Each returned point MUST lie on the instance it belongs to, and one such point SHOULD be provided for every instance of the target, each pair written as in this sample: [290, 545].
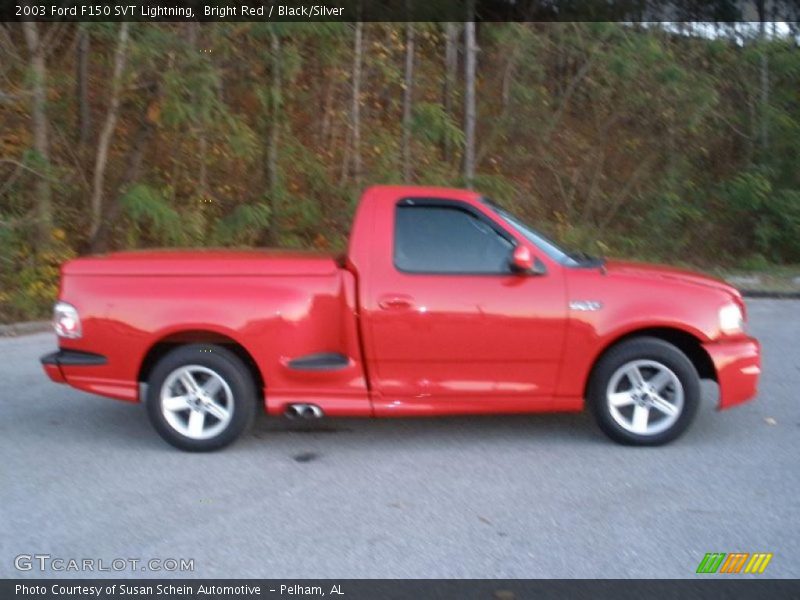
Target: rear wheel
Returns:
[644, 392]
[200, 397]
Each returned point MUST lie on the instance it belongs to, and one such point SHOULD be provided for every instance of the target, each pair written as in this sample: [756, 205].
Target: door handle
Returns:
[395, 302]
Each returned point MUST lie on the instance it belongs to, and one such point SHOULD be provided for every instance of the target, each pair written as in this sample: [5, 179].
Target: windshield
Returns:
[549, 247]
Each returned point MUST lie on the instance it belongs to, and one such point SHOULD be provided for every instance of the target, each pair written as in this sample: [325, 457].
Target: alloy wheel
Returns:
[645, 397]
[196, 402]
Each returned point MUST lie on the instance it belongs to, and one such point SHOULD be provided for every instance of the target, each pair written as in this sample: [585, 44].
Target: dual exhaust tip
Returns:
[304, 411]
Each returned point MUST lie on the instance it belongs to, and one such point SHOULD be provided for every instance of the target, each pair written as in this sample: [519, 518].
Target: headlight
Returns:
[66, 321]
[731, 319]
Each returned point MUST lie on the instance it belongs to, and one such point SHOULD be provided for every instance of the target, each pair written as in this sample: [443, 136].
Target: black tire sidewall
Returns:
[643, 348]
[228, 366]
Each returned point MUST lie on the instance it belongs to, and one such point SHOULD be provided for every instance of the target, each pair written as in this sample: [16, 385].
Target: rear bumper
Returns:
[53, 362]
[90, 372]
[738, 367]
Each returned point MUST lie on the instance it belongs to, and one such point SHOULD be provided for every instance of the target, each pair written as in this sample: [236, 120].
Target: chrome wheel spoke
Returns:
[188, 382]
[664, 406]
[176, 403]
[620, 399]
[196, 420]
[641, 416]
[634, 376]
[216, 411]
[660, 380]
[212, 386]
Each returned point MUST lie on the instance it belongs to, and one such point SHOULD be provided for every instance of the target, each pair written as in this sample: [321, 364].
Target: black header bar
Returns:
[400, 10]
[387, 589]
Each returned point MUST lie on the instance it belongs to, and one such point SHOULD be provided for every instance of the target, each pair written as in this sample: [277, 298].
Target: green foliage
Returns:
[761, 217]
[777, 232]
[746, 193]
[432, 124]
[499, 189]
[243, 226]
[29, 279]
[152, 216]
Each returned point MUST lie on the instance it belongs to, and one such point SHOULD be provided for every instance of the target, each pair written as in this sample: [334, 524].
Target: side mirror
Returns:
[523, 262]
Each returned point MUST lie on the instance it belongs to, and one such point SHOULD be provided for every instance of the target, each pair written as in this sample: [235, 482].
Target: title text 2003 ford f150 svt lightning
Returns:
[444, 304]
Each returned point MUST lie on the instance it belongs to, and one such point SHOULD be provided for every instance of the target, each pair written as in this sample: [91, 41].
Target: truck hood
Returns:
[645, 270]
[203, 262]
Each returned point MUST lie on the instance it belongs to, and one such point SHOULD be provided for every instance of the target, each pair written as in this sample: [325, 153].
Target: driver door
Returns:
[451, 327]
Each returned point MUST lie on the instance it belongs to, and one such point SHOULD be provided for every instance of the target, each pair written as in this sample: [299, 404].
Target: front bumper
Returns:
[738, 366]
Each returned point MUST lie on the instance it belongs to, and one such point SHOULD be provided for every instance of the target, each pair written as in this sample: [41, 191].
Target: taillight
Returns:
[66, 321]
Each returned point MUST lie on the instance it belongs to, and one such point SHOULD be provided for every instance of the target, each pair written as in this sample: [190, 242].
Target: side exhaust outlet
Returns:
[304, 411]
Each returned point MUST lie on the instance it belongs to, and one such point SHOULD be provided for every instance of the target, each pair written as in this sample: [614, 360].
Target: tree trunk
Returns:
[101, 160]
[202, 138]
[469, 103]
[408, 98]
[275, 114]
[269, 237]
[41, 142]
[764, 80]
[357, 62]
[450, 74]
[508, 75]
[82, 86]
[147, 127]
[323, 137]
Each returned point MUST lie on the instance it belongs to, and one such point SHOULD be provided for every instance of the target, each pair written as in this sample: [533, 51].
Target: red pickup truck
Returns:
[444, 304]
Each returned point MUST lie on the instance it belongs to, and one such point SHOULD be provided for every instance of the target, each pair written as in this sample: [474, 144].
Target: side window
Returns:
[438, 239]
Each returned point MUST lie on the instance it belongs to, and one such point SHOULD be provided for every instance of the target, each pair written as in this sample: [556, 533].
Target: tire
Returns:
[651, 408]
[209, 408]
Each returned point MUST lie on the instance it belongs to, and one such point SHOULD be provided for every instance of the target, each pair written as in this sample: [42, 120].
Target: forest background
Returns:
[670, 142]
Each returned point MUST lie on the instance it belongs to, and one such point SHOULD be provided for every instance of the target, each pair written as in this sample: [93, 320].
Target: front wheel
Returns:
[644, 392]
[200, 397]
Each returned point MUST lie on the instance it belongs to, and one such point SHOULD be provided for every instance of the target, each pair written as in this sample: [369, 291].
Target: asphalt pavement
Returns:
[84, 477]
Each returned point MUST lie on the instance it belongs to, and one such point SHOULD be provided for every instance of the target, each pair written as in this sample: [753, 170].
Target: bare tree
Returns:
[148, 124]
[469, 102]
[450, 74]
[82, 85]
[41, 141]
[275, 107]
[200, 125]
[764, 76]
[272, 130]
[357, 63]
[408, 98]
[354, 133]
[101, 159]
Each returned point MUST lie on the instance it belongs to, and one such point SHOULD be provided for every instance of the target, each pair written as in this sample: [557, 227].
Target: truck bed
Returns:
[284, 309]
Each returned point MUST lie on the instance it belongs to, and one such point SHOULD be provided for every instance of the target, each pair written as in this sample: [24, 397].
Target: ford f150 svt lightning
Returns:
[444, 304]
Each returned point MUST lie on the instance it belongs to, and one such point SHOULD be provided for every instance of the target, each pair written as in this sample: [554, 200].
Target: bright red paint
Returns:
[417, 344]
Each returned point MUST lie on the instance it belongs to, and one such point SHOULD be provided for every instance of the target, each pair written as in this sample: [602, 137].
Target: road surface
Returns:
[84, 477]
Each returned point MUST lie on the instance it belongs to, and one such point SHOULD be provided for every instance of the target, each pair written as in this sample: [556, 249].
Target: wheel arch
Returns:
[687, 343]
[175, 339]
